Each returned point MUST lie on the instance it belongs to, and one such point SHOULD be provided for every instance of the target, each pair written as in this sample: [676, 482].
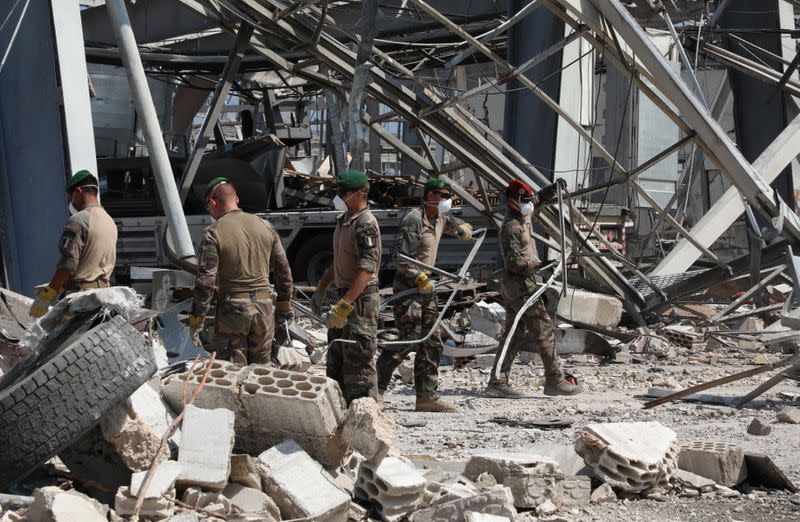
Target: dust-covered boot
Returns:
[562, 385]
[502, 390]
[433, 403]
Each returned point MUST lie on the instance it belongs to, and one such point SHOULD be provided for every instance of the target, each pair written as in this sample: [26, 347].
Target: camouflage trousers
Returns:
[350, 362]
[535, 331]
[248, 326]
[414, 318]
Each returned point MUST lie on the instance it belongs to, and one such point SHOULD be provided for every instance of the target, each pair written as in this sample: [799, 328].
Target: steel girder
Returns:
[452, 127]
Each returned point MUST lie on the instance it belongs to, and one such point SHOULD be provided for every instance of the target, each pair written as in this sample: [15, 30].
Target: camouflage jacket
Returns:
[237, 254]
[518, 246]
[419, 238]
[356, 247]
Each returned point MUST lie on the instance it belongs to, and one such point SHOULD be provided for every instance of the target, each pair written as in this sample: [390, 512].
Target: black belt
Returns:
[372, 287]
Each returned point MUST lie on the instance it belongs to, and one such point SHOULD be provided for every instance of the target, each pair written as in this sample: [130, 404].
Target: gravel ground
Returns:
[613, 394]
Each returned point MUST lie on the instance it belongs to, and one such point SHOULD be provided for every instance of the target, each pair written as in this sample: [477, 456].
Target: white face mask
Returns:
[339, 204]
[72, 209]
[526, 209]
[444, 206]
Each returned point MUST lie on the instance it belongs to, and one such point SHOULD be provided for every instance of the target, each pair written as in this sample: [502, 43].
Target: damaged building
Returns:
[656, 142]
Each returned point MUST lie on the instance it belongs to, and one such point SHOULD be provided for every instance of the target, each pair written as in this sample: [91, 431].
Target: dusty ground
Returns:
[610, 396]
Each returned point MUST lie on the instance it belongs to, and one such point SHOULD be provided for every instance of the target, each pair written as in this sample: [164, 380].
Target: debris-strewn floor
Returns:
[610, 396]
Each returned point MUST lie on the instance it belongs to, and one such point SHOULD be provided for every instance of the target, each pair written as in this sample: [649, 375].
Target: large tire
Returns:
[63, 398]
[313, 258]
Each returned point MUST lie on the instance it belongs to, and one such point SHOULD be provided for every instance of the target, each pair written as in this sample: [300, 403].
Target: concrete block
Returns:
[345, 476]
[691, 480]
[789, 415]
[245, 470]
[395, 487]
[291, 358]
[284, 405]
[406, 369]
[721, 462]
[756, 427]
[164, 480]
[202, 499]
[632, 456]
[499, 502]
[599, 310]
[135, 427]
[299, 485]
[93, 458]
[152, 509]
[252, 501]
[52, 504]
[220, 390]
[368, 429]
[503, 464]
[206, 446]
[572, 492]
[604, 493]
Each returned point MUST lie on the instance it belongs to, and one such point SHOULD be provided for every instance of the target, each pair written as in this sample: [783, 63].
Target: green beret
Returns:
[352, 180]
[438, 184]
[78, 178]
[213, 183]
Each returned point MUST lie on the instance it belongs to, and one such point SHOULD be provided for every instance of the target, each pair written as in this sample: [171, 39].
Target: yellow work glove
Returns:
[424, 284]
[283, 311]
[195, 325]
[464, 231]
[318, 297]
[338, 316]
[44, 297]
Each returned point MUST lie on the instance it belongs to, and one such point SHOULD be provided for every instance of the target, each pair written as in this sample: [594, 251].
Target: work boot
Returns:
[562, 386]
[501, 390]
[433, 403]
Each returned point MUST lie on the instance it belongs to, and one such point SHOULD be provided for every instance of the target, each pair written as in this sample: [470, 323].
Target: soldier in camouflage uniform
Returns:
[88, 245]
[354, 272]
[237, 254]
[414, 316]
[519, 278]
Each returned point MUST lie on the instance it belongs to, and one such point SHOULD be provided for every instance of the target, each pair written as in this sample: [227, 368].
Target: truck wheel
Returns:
[62, 398]
[313, 258]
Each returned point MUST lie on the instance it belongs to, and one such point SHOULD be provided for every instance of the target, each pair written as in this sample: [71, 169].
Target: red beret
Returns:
[520, 188]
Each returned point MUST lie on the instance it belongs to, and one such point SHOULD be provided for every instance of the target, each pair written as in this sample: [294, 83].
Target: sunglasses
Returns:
[442, 193]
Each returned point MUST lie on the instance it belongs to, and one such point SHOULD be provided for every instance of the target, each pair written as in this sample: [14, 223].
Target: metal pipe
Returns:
[165, 180]
[461, 273]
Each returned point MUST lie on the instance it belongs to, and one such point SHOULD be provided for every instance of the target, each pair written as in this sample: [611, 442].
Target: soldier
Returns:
[414, 316]
[88, 245]
[518, 283]
[236, 256]
[354, 272]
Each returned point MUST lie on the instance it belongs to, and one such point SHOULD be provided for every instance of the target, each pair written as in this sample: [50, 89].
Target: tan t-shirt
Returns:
[88, 246]
[356, 247]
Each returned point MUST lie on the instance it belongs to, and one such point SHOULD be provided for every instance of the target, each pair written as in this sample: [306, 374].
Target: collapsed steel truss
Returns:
[611, 30]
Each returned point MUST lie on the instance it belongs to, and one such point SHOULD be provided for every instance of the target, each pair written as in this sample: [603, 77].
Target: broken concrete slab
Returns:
[299, 485]
[604, 493]
[135, 427]
[292, 406]
[471, 516]
[488, 318]
[721, 462]
[202, 499]
[789, 415]
[163, 480]
[600, 310]
[395, 487]
[632, 456]
[246, 471]
[152, 509]
[692, 480]
[292, 358]
[252, 501]
[345, 476]
[499, 502]
[53, 504]
[532, 478]
[759, 428]
[206, 447]
[762, 471]
[368, 429]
